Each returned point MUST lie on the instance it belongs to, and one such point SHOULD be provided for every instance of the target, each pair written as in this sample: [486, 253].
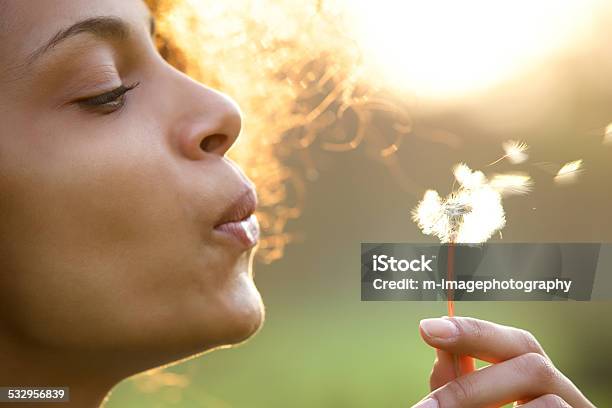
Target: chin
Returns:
[245, 312]
[226, 317]
[228, 313]
[232, 316]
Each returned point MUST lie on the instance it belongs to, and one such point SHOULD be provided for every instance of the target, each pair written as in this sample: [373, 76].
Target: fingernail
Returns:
[441, 328]
[428, 403]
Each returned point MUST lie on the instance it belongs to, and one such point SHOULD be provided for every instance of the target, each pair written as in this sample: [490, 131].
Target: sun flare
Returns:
[445, 48]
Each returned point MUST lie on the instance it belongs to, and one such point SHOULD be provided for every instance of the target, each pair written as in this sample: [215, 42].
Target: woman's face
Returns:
[112, 198]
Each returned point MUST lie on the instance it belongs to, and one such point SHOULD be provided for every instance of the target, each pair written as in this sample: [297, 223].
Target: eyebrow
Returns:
[105, 27]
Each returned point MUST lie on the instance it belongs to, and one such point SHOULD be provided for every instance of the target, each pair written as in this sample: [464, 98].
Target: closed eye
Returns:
[107, 102]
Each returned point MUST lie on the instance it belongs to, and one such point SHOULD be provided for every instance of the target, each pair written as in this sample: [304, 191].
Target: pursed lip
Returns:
[242, 207]
[238, 222]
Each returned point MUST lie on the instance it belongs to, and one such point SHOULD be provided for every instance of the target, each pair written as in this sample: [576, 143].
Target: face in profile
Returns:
[126, 233]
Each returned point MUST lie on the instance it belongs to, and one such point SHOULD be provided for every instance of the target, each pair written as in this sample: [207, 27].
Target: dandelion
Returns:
[568, 173]
[514, 152]
[471, 214]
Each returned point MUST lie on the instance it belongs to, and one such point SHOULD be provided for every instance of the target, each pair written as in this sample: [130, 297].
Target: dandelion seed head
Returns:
[515, 151]
[457, 205]
[471, 214]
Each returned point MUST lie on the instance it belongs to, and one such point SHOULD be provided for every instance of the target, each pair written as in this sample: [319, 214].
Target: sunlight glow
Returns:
[446, 48]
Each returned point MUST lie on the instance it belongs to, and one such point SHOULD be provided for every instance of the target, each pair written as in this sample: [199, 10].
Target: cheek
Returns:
[103, 248]
[84, 247]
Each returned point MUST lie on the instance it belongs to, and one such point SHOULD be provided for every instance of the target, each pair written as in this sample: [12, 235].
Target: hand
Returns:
[520, 372]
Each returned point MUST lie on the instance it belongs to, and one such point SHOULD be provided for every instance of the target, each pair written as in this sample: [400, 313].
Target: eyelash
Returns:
[107, 102]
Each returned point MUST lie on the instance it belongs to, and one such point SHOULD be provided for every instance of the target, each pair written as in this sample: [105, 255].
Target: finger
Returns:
[442, 371]
[444, 368]
[546, 401]
[521, 378]
[478, 338]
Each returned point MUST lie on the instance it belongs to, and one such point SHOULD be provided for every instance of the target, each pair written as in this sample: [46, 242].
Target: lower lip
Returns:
[245, 232]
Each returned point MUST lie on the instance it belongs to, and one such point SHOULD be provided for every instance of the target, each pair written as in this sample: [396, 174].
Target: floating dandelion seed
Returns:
[514, 152]
[608, 135]
[512, 183]
[568, 173]
[468, 178]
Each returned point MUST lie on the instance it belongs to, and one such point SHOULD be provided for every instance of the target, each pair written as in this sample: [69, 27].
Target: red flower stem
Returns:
[450, 276]
[450, 302]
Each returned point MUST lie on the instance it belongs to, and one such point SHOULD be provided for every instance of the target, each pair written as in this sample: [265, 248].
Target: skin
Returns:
[110, 264]
[520, 370]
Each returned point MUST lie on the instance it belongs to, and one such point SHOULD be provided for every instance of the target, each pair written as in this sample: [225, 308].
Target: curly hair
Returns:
[166, 45]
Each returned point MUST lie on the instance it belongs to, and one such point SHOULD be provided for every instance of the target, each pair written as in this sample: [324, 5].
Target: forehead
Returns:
[27, 24]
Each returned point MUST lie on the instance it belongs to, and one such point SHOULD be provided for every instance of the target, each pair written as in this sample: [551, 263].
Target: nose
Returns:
[210, 124]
